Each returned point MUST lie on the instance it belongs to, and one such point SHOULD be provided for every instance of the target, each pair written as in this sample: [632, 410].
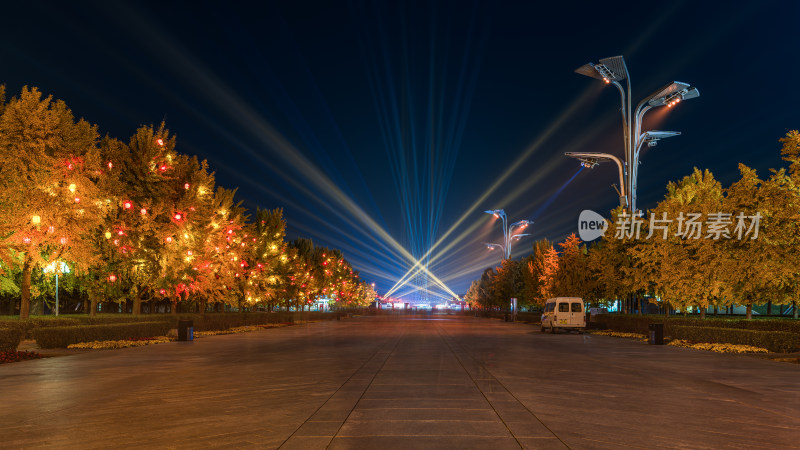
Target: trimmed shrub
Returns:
[25, 326]
[633, 323]
[9, 339]
[61, 337]
[225, 321]
[109, 319]
[774, 341]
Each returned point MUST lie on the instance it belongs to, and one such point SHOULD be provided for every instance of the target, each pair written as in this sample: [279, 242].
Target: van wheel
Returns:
[552, 329]
[541, 329]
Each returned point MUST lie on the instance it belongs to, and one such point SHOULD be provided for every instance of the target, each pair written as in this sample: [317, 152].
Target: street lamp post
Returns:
[57, 267]
[508, 231]
[612, 71]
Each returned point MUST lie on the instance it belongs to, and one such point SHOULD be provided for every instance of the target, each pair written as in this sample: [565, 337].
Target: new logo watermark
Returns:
[592, 225]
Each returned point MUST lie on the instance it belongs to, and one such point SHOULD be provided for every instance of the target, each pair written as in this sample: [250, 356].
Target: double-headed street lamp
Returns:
[612, 71]
[508, 232]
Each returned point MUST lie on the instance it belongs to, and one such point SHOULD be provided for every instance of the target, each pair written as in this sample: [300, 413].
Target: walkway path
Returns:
[383, 382]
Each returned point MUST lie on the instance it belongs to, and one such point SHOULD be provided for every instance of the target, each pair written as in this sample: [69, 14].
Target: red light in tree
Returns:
[143, 211]
[127, 204]
[163, 168]
[77, 200]
[186, 186]
[110, 165]
[160, 142]
[116, 242]
[178, 216]
[112, 278]
[26, 240]
[168, 239]
[162, 291]
[230, 231]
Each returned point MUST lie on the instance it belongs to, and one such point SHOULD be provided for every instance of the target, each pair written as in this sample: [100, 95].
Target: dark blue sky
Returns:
[380, 126]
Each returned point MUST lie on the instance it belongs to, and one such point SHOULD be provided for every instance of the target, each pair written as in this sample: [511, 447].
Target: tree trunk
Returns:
[203, 306]
[769, 307]
[716, 310]
[137, 304]
[93, 306]
[173, 307]
[638, 302]
[794, 308]
[25, 301]
[702, 313]
[749, 311]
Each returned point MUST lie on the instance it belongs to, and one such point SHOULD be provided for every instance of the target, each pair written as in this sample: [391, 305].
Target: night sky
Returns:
[385, 129]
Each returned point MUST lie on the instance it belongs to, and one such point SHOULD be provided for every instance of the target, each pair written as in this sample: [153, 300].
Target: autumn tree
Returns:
[49, 169]
[573, 278]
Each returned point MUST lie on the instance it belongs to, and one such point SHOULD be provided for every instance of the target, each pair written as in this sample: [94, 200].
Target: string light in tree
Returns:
[127, 204]
[112, 278]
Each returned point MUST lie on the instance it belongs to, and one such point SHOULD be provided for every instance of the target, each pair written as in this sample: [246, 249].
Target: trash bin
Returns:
[185, 330]
[656, 333]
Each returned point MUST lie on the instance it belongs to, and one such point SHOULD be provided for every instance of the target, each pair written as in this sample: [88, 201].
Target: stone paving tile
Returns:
[372, 427]
[434, 442]
[477, 402]
[319, 428]
[423, 414]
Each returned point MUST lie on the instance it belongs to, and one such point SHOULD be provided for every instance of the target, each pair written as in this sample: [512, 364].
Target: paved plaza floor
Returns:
[394, 382]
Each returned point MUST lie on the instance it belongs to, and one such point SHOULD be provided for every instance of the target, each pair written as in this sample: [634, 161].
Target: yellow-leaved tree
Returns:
[49, 170]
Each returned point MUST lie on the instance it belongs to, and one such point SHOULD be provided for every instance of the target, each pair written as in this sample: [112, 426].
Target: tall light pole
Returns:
[612, 71]
[57, 267]
[508, 231]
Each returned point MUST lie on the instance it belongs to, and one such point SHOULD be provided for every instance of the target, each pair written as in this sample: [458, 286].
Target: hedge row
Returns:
[632, 323]
[9, 339]
[774, 341]
[207, 322]
[224, 321]
[61, 337]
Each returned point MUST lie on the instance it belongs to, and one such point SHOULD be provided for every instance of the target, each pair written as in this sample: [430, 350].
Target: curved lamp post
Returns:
[614, 70]
[508, 231]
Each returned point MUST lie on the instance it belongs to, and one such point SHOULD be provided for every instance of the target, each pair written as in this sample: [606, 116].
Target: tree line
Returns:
[703, 246]
[139, 224]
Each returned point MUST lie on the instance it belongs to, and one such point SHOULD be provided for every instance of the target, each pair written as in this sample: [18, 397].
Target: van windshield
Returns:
[576, 307]
[563, 307]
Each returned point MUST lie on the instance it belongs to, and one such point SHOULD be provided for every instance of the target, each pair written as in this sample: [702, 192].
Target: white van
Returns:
[564, 312]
